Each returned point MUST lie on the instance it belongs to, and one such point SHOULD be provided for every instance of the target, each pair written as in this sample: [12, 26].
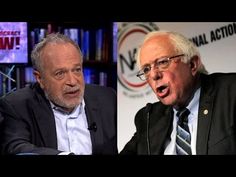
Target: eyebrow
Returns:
[164, 57]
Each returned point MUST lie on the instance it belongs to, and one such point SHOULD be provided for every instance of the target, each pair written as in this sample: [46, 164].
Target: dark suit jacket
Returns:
[29, 124]
[216, 133]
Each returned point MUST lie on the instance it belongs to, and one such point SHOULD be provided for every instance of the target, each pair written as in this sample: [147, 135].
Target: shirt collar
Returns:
[193, 104]
[74, 114]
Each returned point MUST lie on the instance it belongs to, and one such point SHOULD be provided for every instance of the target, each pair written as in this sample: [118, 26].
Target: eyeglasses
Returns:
[160, 64]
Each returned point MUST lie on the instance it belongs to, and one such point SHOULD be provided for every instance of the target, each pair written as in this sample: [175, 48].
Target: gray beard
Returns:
[57, 101]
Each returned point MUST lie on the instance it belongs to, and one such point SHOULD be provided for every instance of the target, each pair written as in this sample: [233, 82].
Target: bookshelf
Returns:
[96, 40]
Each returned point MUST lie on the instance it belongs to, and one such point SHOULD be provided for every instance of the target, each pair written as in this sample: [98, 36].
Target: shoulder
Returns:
[100, 95]
[93, 89]
[222, 76]
[220, 79]
[156, 108]
[21, 95]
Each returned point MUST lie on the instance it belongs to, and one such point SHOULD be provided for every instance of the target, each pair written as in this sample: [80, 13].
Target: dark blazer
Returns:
[29, 124]
[216, 133]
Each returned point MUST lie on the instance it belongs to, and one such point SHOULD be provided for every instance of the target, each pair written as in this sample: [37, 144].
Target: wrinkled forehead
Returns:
[154, 48]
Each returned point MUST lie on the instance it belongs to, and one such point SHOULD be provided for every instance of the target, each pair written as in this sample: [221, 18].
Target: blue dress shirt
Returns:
[72, 130]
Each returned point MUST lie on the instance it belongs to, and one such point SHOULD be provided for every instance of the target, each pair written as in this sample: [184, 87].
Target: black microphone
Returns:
[93, 127]
[147, 111]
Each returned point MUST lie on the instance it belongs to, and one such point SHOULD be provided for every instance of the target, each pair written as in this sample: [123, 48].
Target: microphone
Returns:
[93, 127]
[147, 111]
[148, 107]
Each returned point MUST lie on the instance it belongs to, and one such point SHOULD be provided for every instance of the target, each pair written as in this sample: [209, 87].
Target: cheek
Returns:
[81, 80]
[152, 85]
[174, 82]
[179, 82]
[54, 87]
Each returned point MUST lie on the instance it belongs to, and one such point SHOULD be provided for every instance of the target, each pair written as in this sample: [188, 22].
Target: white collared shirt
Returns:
[72, 130]
[192, 124]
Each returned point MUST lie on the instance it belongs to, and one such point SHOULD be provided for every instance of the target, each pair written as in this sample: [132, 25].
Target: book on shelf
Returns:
[89, 76]
[115, 42]
[105, 47]
[99, 44]
[103, 78]
[29, 76]
[85, 45]
[36, 35]
[74, 34]
[92, 76]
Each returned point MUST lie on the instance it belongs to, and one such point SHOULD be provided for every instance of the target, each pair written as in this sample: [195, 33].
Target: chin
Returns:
[73, 103]
[167, 101]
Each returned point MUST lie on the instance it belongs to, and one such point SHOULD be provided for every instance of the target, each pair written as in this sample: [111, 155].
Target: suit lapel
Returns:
[44, 119]
[204, 116]
[161, 125]
[94, 116]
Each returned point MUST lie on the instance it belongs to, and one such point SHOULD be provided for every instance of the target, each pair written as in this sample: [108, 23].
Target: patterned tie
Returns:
[183, 138]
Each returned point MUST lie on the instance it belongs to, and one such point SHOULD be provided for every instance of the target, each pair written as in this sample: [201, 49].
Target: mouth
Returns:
[72, 93]
[162, 91]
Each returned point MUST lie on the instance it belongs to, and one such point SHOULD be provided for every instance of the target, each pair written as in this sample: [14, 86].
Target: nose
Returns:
[71, 79]
[155, 74]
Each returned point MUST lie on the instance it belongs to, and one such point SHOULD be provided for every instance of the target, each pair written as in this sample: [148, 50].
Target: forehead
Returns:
[61, 47]
[61, 52]
[156, 47]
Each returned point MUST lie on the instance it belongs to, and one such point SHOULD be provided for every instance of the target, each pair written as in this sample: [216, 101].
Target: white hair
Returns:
[181, 45]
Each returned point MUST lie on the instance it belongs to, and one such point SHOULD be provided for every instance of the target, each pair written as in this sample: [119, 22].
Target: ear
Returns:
[38, 78]
[194, 64]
